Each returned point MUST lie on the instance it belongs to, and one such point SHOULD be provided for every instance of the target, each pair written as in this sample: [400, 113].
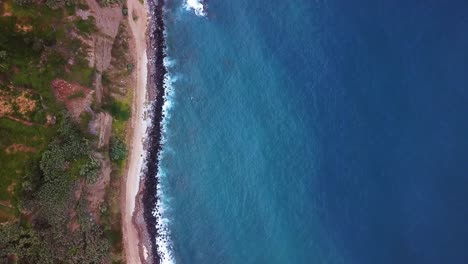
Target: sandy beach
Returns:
[131, 184]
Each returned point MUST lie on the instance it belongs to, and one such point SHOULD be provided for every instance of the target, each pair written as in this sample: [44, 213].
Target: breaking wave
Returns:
[163, 240]
[197, 6]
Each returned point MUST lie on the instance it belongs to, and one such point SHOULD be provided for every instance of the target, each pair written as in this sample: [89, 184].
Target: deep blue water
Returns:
[318, 132]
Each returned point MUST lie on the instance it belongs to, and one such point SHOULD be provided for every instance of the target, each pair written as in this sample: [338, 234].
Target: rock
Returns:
[51, 120]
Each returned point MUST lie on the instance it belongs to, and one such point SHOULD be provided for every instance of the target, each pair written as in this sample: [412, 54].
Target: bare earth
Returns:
[135, 161]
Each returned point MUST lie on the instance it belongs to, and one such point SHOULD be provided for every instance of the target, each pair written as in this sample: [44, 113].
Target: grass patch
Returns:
[120, 110]
[85, 118]
[81, 73]
[79, 94]
[15, 166]
[87, 26]
[6, 214]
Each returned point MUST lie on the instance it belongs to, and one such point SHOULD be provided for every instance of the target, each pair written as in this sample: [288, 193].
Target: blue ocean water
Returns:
[317, 132]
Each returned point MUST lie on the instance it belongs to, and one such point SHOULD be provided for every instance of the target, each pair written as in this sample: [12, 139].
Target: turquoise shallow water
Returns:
[317, 132]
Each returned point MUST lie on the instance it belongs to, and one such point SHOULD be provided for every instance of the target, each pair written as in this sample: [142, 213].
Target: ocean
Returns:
[315, 132]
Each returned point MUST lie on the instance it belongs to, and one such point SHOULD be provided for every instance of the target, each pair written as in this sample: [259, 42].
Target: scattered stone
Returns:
[83, 14]
[51, 120]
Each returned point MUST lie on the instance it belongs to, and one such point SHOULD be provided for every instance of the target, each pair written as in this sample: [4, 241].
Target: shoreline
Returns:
[156, 80]
[133, 228]
[140, 216]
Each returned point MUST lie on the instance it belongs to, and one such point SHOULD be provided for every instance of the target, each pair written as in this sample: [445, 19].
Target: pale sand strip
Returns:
[138, 127]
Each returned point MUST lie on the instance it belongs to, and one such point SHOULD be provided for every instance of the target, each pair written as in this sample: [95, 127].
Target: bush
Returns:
[22, 242]
[67, 157]
[120, 111]
[109, 2]
[86, 26]
[56, 4]
[81, 73]
[85, 118]
[67, 147]
[130, 67]
[40, 117]
[118, 150]
[79, 94]
[23, 2]
[90, 170]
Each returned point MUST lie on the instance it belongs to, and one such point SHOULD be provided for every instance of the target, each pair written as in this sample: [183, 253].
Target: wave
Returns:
[163, 239]
[168, 62]
[157, 201]
[197, 6]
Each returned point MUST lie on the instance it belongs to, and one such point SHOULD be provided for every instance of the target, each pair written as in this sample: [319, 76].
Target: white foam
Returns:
[163, 241]
[195, 5]
[168, 62]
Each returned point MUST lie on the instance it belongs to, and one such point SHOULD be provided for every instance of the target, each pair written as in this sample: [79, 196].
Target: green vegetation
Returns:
[39, 52]
[56, 4]
[81, 73]
[68, 147]
[118, 151]
[23, 242]
[110, 2]
[86, 26]
[79, 94]
[129, 67]
[120, 110]
[47, 162]
[85, 118]
[13, 162]
[66, 161]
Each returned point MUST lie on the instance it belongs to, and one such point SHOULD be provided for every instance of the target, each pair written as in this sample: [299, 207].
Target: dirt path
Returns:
[135, 161]
[107, 21]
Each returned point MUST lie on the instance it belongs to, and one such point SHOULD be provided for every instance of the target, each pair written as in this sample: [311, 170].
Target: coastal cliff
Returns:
[67, 80]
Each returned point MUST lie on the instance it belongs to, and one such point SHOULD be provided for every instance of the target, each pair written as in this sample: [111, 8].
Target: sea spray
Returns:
[163, 242]
[156, 92]
[197, 6]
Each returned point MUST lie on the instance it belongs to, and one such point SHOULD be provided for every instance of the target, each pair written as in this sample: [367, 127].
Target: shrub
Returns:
[109, 2]
[56, 4]
[22, 242]
[90, 170]
[67, 147]
[86, 26]
[130, 67]
[23, 2]
[118, 150]
[120, 111]
[40, 117]
[85, 118]
[79, 94]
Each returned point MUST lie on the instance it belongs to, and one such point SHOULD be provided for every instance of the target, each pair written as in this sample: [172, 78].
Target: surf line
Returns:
[156, 90]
